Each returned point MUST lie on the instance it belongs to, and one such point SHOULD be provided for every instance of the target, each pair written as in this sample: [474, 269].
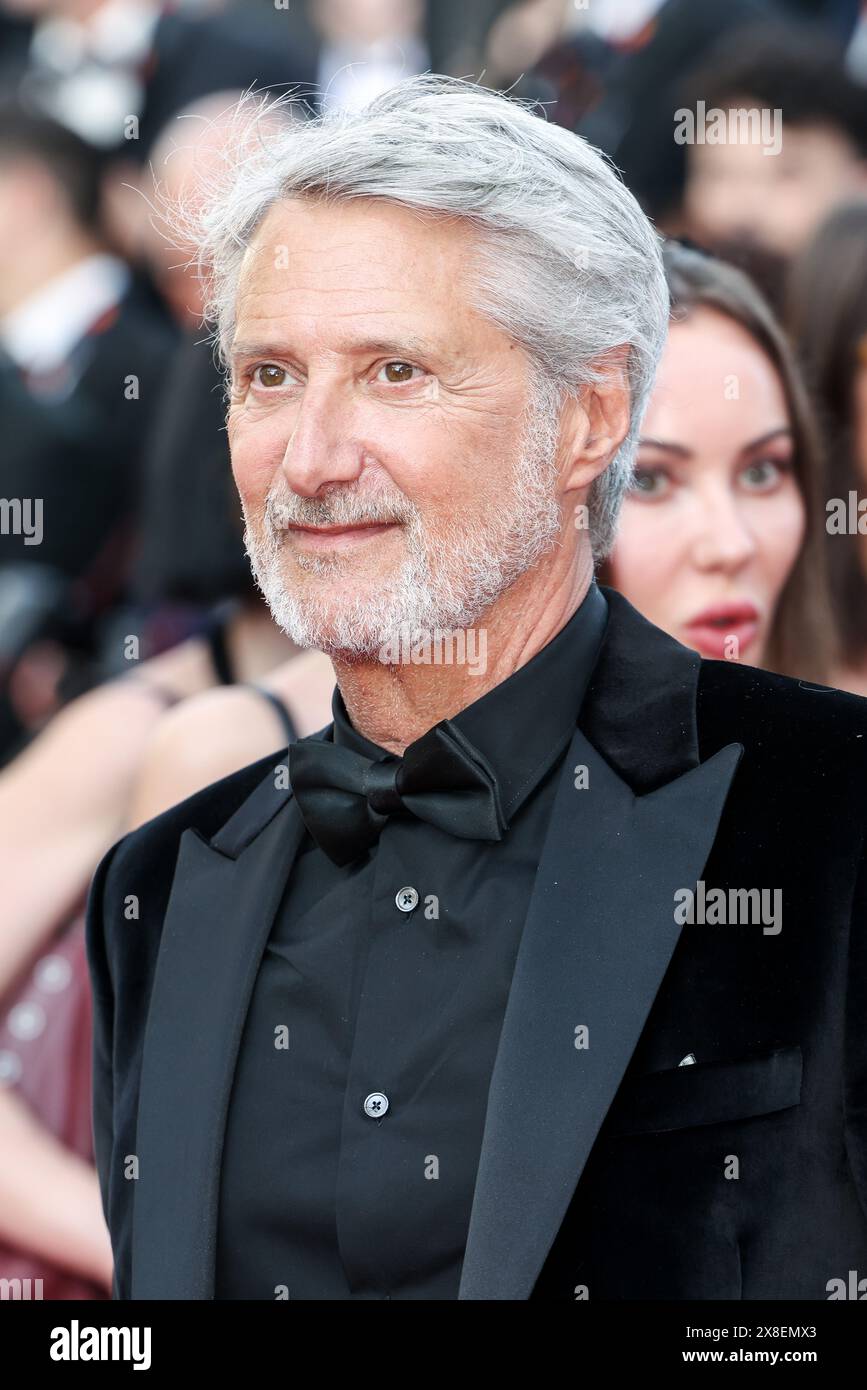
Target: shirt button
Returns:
[376, 1105]
[406, 899]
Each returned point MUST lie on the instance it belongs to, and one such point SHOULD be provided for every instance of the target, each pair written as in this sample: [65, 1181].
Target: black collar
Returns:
[639, 712]
[524, 724]
[640, 706]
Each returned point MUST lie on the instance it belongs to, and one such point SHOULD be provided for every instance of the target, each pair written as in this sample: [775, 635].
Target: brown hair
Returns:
[827, 315]
[800, 642]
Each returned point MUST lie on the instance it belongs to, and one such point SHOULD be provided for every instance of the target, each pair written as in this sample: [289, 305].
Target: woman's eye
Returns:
[270, 375]
[649, 483]
[397, 372]
[763, 475]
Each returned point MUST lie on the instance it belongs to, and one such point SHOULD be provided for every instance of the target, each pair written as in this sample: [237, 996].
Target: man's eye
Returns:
[397, 372]
[270, 375]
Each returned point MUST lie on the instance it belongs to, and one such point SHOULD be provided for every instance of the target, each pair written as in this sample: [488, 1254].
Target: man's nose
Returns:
[724, 539]
[322, 447]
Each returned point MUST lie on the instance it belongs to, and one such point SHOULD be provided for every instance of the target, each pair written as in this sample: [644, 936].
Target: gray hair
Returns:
[567, 263]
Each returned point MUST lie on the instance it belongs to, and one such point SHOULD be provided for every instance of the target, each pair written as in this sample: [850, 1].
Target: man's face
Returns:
[777, 200]
[389, 464]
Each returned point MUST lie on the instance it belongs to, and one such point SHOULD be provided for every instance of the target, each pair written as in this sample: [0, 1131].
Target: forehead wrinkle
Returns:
[437, 320]
[370, 327]
[383, 292]
[387, 249]
[436, 336]
[388, 278]
[412, 271]
[264, 303]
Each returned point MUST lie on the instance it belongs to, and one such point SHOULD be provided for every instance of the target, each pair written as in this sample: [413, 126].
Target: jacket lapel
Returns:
[224, 896]
[599, 935]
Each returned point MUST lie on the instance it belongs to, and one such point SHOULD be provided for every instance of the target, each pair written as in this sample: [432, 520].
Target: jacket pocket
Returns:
[707, 1093]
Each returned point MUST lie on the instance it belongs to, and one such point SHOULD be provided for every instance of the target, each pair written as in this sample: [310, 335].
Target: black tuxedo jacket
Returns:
[608, 1170]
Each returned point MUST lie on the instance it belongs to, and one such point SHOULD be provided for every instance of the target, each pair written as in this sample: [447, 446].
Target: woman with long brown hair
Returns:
[827, 312]
[721, 537]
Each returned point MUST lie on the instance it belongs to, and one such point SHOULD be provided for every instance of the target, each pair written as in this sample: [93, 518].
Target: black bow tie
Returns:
[345, 798]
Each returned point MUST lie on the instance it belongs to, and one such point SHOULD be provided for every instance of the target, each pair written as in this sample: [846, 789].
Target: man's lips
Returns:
[337, 537]
[711, 629]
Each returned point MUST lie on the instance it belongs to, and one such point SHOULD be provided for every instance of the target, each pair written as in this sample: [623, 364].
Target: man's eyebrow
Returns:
[246, 352]
[399, 345]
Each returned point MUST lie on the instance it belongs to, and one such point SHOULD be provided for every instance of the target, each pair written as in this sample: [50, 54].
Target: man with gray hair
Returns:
[410, 1011]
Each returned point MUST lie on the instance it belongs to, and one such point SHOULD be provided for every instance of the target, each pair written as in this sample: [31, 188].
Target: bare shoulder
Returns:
[212, 735]
[201, 741]
[305, 684]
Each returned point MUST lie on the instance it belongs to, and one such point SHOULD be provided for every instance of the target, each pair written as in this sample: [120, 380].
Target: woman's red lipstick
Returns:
[712, 630]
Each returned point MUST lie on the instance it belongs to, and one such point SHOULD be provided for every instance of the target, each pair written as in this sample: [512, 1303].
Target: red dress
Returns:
[45, 1056]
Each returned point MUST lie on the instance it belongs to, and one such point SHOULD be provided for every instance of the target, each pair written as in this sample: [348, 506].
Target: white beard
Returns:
[446, 582]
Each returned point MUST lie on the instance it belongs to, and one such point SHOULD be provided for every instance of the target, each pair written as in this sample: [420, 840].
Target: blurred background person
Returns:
[83, 352]
[57, 641]
[226, 728]
[609, 70]
[368, 45]
[82, 355]
[759, 203]
[618, 71]
[191, 617]
[194, 620]
[115, 71]
[186, 153]
[721, 537]
[827, 314]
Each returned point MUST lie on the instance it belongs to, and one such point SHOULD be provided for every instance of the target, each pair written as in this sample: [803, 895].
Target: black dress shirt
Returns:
[358, 1103]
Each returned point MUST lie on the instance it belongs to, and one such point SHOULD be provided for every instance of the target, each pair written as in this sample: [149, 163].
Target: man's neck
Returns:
[393, 705]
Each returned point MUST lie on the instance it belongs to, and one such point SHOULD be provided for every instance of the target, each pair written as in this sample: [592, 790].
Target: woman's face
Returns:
[713, 523]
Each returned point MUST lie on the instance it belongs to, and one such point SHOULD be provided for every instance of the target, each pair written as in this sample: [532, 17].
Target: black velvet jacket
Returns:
[611, 1167]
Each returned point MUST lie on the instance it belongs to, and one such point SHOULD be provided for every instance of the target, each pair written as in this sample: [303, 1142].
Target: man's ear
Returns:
[596, 423]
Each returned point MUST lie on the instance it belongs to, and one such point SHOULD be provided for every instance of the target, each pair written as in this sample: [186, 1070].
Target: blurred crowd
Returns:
[128, 615]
